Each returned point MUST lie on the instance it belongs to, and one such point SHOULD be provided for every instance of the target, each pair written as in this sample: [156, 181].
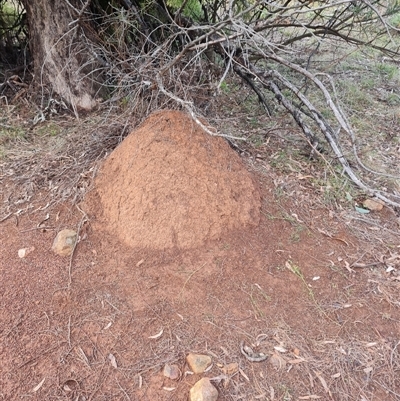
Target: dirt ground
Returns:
[299, 286]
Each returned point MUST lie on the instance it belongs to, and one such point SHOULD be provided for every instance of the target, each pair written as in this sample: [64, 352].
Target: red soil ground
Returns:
[226, 267]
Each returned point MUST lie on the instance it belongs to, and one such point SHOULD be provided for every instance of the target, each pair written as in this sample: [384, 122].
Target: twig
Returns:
[189, 108]
[190, 276]
[123, 391]
[6, 217]
[84, 219]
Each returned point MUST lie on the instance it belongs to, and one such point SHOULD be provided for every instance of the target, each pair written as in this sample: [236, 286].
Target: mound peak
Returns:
[169, 184]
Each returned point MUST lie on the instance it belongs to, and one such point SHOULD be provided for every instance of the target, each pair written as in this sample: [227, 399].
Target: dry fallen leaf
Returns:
[244, 375]
[323, 382]
[231, 368]
[271, 393]
[296, 361]
[70, 385]
[158, 335]
[304, 177]
[107, 326]
[280, 349]
[311, 380]
[208, 368]
[349, 269]
[81, 354]
[37, 388]
[113, 361]
[218, 379]
[277, 362]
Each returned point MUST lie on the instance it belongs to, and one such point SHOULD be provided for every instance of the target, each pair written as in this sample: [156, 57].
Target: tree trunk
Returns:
[63, 61]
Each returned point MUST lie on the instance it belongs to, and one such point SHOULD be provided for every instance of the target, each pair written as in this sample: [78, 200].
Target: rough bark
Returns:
[63, 62]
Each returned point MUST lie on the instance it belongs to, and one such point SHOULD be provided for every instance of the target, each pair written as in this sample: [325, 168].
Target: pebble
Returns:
[25, 251]
[203, 390]
[373, 205]
[64, 242]
[198, 363]
[171, 371]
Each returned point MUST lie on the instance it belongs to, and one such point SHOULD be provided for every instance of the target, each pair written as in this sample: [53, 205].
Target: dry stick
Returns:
[352, 136]
[323, 126]
[6, 217]
[392, 353]
[297, 116]
[217, 27]
[69, 331]
[40, 354]
[123, 390]
[332, 142]
[397, 395]
[178, 13]
[20, 320]
[326, 131]
[216, 41]
[189, 107]
[84, 219]
[80, 13]
[227, 68]
[375, 224]
[340, 116]
[253, 86]
[190, 276]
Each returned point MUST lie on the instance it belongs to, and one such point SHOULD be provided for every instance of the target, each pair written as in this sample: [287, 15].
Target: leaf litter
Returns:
[334, 358]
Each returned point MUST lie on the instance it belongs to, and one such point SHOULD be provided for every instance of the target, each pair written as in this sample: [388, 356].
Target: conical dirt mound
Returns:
[169, 185]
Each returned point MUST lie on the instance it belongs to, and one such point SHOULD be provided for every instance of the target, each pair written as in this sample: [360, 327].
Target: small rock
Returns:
[64, 242]
[198, 363]
[25, 251]
[203, 390]
[373, 205]
[172, 372]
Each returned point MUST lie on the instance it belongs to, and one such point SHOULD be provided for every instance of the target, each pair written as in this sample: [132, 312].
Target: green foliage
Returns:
[387, 70]
[192, 8]
[8, 17]
[50, 129]
[9, 133]
[393, 99]
[395, 20]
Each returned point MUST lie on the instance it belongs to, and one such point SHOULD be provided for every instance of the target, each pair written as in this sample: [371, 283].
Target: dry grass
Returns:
[342, 367]
[350, 367]
[59, 157]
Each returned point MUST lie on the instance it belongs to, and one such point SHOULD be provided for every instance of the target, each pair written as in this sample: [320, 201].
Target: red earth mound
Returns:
[169, 184]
